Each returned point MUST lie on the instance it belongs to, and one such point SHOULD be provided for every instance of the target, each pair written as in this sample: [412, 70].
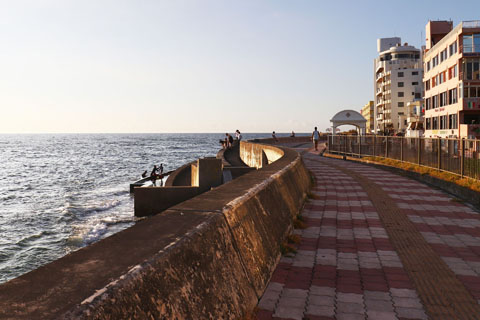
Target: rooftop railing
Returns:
[471, 24]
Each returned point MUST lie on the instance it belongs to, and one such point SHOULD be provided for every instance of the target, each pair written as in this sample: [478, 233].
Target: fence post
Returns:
[374, 142]
[419, 148]
[386, 147]
[439, 153]
[462, 162]
[401, 149]
[359, 146]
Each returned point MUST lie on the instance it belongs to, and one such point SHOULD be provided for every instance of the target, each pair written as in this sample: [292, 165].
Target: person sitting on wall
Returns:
[292, 135]
[144, 174]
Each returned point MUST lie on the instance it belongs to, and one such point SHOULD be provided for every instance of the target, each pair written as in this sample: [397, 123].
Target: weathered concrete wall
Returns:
[259, 155]
[209, 257]
[181, 177]
[207, 173]
[152, 200]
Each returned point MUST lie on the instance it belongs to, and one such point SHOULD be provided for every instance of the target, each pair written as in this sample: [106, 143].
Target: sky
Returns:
[140, 66]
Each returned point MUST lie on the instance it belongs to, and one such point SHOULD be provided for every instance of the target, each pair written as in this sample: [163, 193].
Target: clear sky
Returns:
[196, 66]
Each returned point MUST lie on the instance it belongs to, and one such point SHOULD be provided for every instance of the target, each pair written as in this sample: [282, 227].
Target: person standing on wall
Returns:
[274, 136]
[315, 138]
[153, 175]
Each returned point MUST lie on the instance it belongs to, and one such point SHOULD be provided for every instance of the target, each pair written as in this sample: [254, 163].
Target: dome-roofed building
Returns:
[349, 117]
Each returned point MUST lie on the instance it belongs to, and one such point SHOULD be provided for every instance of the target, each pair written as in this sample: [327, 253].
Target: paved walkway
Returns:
[377, 246]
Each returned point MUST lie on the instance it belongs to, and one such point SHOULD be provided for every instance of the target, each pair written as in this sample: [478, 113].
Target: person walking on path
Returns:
[315, 138]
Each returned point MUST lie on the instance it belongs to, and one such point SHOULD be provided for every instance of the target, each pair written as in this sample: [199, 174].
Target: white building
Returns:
[398, 80]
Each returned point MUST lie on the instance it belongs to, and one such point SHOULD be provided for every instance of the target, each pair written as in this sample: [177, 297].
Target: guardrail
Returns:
[457, 156]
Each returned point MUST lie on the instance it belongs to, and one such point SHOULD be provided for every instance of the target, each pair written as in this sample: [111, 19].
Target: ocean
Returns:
[61, 192]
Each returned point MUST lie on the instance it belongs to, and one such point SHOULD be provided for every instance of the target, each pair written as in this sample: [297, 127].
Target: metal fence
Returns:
[458, 156]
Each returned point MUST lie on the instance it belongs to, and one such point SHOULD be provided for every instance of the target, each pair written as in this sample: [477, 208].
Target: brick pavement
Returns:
[377, 246]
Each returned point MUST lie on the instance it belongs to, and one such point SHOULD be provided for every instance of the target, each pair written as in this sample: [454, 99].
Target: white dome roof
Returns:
[348, 116]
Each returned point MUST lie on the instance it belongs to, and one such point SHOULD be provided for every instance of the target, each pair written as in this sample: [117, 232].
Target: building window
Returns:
[443, 122]
[400, 84]
[471, 43]
[434, 101]
[427, 104]
[415, 83]
[428, 123]
[453, 48]
[443, 99]
[427, 85]
[452, 121]
[455, 71]
[418, 95]
[400, 104]
[435, 61]
[443, 55]
[400, 94]
[471, 69]
[400, 74]
[434, 123]
[414, 73]
[428, 66]
[473, 92]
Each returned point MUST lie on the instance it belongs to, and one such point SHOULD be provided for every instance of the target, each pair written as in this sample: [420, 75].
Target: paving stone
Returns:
[348, 307]
[349, 297]
[285, 311]
[321, 300]
[403, 293]
[322, 291]
[349, 316]
[409, 313]
[407, 303]
[294, 293]
[327, 311]
[378, 305]
[381, 315]
[267, 303]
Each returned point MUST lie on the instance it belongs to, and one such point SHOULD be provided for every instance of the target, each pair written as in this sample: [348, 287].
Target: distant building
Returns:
[452, 79]
[413, 119]
[398, 80]
[368, 113]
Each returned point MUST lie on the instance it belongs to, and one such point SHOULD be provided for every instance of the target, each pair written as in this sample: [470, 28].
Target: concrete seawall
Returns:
[208, 257]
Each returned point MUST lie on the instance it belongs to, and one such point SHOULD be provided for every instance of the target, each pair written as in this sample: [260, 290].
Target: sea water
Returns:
[61, 192]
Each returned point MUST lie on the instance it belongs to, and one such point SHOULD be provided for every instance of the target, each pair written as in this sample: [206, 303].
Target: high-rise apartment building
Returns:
[368, 112]
[452, 79]
[398, 80]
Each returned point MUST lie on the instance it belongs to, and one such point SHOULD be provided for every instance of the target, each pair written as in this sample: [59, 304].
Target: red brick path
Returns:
[378, 246]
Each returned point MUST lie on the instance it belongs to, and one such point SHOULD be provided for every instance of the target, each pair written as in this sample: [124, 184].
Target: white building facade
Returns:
[398, 77]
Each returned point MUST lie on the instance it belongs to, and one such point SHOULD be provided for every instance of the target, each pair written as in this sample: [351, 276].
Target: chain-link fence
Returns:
[458, 156]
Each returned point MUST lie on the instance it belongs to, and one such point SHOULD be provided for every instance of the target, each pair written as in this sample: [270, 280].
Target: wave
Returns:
[26, 241]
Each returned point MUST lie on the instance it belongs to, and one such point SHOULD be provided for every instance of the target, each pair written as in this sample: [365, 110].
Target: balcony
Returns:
[471, 103]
